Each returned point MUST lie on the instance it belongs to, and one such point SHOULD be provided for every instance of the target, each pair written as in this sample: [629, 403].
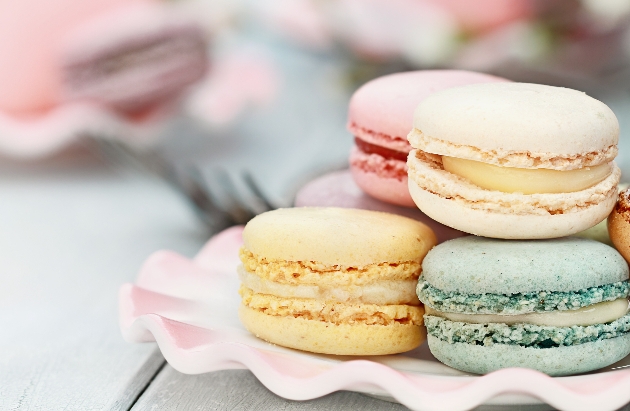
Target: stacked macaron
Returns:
[380, 113]
[525, 162]
[514, 160]
[379, 116]
[333, 280]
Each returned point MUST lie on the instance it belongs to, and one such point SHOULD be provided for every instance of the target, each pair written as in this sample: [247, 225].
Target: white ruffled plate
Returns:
[190, 308]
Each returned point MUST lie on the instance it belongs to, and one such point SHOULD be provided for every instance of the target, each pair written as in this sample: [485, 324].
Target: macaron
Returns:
[514, 160]
[380, 116]
[559, 306]
[333, 280]
[338, 189]
[619, 224]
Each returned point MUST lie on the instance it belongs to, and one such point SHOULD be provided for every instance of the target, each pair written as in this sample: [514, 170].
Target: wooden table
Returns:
[74, 230]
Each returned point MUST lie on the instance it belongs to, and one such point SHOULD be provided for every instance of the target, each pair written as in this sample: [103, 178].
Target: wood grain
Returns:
[239, 390]
[69, 240]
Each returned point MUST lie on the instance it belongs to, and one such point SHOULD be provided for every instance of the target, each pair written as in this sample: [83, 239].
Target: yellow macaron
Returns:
[333, 280]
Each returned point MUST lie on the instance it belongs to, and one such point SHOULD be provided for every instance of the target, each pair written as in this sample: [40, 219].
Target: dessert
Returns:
[619, 224]
[333, 280]
[380, 116]
[559, 306]
[514, 160]
[338, 189]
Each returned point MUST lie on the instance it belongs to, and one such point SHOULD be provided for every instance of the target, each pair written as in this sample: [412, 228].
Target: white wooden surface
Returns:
[239, 390]
[70, 235]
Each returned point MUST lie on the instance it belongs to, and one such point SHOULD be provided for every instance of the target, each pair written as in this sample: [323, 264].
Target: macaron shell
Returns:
[478, 265]
[337, 236]
[456, 202]
[507, 226]
[386, 104]
[556, 361]
[328, 338]
[534, 119]
[619, 224]
[339, 189]
[376, 182]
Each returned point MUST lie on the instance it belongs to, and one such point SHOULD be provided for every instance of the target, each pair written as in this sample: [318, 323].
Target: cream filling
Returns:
[383, 292]
[600, 313]
[524, 180]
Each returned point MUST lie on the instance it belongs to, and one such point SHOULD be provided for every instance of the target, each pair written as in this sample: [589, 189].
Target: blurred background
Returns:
[261, 87]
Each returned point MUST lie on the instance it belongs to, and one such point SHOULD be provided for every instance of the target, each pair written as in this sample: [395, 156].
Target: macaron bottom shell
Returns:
[485, 223]
[555, 361]
[382, 178]
[387, 189]
[328, 338]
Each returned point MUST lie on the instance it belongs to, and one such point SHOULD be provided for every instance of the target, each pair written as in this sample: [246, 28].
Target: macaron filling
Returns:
[519, 303]
[376, 164]
[379, 153]
[381, 292]
[426, 171]
[522, 334]
[542, 319]
[387, 153]
[599, 313]
[526, 180]
[332, 312]
[396, 143]
[512, 158]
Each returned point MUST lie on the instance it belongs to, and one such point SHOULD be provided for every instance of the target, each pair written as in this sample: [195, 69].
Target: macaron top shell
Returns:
[337, 236]
[479, 265]
[545, 126]
[385, 105]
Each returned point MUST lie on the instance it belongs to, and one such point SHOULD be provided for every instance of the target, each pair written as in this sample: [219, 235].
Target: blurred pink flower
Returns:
[300, 20]
[113, 68]
[31, 36]
[381, 29]
[485, 15]
[236, 81]
[514, 42]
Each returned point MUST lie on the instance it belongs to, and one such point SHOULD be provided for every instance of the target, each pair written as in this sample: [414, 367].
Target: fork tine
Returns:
[229, 200]
[248, 179]
[236, 205]
[196, 190]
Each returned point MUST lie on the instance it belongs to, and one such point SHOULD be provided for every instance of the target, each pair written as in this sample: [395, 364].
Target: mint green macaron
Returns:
[559, 306]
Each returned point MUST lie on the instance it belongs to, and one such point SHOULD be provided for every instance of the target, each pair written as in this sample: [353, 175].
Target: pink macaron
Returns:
[337, 189]
[380, 117]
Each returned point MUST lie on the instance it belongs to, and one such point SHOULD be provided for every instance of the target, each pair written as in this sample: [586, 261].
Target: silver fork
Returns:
[219, 199]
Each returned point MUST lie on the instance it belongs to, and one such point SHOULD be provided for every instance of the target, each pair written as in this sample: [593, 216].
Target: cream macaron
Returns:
[334, 280]
[514, 160]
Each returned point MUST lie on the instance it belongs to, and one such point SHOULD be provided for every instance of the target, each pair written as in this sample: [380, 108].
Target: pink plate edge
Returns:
[186, 346]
